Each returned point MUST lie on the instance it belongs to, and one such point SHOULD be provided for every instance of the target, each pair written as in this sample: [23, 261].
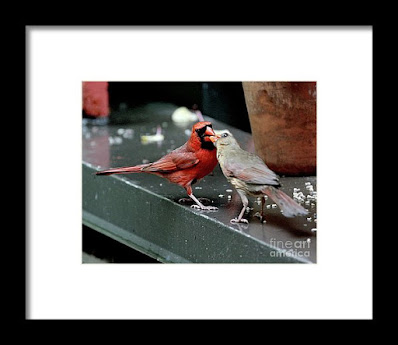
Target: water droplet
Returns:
[229, 190]
[273, 205]
[220, 195]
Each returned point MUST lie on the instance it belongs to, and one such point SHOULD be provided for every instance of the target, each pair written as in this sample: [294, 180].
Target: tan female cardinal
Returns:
[250, 176]
[185, 165]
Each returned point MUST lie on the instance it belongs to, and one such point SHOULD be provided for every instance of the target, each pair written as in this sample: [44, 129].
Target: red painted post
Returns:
[96, 100]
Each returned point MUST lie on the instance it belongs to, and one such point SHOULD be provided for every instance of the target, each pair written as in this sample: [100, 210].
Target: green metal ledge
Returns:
[143, 212]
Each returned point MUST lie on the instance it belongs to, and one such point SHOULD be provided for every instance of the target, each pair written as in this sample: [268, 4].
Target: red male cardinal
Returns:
[250, 176]
[185, 165]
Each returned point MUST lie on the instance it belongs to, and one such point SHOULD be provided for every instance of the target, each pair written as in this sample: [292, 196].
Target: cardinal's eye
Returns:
[224, 135]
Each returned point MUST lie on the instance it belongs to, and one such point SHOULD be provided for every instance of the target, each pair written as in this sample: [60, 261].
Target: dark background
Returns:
[223, 101]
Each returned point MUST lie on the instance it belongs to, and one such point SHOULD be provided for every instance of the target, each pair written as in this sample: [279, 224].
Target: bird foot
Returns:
[207, 208]
[261, 217]
[237, 220]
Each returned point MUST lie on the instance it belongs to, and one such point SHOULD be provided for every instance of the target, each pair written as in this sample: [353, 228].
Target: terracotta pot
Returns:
[283, 122]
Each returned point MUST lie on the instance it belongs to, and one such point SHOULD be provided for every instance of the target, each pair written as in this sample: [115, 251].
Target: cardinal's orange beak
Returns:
[209, 131]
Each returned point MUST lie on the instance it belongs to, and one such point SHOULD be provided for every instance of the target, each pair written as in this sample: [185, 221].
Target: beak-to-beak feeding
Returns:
[211, 134]
[215, 137]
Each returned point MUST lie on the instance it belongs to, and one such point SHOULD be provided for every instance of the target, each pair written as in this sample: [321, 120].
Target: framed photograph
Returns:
[214, 157]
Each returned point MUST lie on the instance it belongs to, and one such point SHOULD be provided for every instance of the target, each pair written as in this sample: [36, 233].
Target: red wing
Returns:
[173, 162]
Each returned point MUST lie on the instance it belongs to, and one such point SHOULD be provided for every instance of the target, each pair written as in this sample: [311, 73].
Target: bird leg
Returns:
[245, 202]
[240, 219]
[262, 218]
[260, 215]
[200, 206]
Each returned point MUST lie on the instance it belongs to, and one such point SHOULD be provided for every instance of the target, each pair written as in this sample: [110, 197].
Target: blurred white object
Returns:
[183, 114]
[146, 139]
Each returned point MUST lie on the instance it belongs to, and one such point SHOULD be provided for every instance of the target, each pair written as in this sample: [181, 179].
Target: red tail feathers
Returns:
[122, 170]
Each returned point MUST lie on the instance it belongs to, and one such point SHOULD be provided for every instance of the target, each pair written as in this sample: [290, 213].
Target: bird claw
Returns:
[207, 208]
[236, 220]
